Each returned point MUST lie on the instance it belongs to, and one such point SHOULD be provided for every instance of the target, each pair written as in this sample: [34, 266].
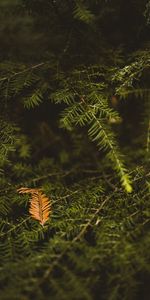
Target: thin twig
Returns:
[65, 197]
[15, 226]
[81, 233]
[62, 174]
[21, 72]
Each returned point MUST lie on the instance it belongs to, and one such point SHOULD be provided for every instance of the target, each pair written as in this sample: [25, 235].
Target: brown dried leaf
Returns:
[40, 206]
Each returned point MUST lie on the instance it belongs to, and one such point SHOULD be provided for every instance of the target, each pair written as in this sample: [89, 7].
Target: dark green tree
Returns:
[75, 121]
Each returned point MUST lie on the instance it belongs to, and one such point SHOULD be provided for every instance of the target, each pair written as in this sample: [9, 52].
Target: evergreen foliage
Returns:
[75, 121]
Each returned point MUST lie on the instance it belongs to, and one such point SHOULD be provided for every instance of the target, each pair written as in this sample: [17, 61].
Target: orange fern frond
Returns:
[40, 206]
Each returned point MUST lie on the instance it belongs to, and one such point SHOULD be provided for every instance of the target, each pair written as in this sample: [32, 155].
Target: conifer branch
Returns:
[75, 239]
[21, 72]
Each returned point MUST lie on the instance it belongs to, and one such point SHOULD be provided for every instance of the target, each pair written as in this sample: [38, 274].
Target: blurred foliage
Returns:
[75, 121]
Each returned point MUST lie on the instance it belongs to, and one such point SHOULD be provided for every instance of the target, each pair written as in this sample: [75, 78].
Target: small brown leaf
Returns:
[40, 206]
